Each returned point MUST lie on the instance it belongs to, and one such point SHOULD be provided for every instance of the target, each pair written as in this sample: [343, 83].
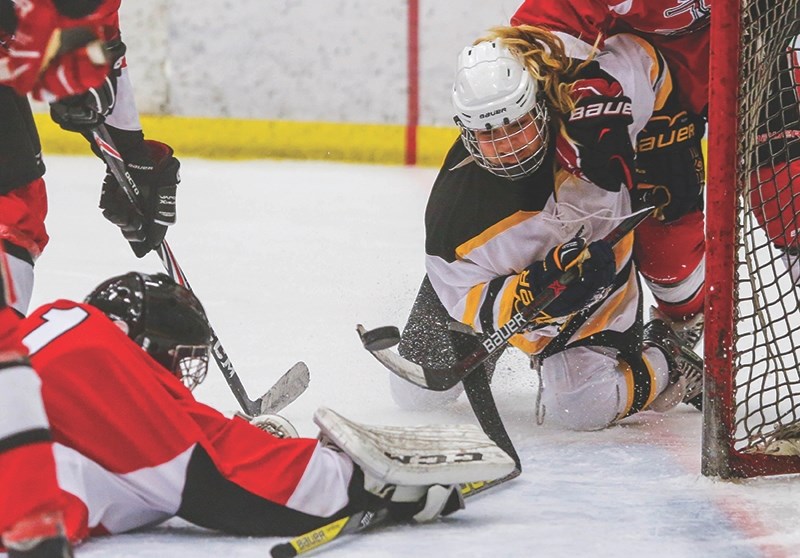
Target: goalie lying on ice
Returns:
[132, 447]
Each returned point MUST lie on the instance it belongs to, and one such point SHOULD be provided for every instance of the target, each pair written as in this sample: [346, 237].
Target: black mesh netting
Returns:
[767, 325]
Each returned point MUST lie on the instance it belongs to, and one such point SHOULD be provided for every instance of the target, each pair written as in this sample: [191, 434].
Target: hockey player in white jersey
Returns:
[543, 172]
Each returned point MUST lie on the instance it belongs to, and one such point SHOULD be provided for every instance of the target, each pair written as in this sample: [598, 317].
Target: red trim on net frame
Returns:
[412, 118]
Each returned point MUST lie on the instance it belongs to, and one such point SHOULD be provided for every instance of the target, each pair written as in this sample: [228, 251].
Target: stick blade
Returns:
[379, 338]
[289, 387]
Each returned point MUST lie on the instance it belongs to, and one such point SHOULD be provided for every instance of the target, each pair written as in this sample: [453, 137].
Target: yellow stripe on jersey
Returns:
[473, 305]
[561, 176]
[660, 76]
[507, 298]
[627, 372]
[493, 231]
[530, 347]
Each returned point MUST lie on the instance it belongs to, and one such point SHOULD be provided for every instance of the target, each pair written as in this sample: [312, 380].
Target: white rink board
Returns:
[307, 60]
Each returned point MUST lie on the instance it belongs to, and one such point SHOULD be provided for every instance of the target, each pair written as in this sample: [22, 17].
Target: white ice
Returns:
[288, 257]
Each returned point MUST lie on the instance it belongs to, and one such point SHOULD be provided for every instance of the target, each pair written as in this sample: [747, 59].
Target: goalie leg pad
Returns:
[416, 455]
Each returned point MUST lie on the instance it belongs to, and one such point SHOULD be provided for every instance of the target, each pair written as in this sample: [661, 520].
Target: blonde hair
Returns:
[545, 58]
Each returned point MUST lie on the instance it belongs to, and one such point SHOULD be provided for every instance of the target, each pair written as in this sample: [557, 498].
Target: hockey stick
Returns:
[294, 381]
[358, 522]
[379, 340]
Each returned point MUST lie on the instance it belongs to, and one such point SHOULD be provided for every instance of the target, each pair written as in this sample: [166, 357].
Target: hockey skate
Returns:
[685, 367]
[38, 536]
[689, 331]
[275, 425]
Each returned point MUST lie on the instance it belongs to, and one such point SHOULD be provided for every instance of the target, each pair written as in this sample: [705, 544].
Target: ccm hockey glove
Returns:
[596, 267]
[157, 177]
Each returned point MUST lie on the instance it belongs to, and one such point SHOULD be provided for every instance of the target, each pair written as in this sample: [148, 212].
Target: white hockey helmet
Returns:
[503, 119]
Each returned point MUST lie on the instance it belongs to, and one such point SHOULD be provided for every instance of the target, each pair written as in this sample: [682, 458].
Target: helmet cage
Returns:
[163, 318]
[190, 364]
[502, 143]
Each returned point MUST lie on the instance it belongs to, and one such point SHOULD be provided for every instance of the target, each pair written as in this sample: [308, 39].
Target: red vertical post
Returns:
[721, 238]
[412, 117]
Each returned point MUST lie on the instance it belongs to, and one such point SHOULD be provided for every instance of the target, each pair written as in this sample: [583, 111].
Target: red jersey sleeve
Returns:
[584, 19]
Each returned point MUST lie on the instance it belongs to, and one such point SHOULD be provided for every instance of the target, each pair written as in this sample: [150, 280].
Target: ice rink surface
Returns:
[287, 258]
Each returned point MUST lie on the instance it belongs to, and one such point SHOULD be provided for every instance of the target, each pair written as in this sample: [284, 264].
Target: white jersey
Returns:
[483, 230]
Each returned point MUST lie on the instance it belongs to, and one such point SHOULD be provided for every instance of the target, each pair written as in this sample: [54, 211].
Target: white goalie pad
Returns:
[416, 455]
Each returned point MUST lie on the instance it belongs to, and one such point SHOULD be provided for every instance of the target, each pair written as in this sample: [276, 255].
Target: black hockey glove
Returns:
[157, 178]
[84, 112]
[669, 161]
[597, 269]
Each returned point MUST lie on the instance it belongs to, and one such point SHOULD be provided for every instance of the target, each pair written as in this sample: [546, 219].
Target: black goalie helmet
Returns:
[162, 317]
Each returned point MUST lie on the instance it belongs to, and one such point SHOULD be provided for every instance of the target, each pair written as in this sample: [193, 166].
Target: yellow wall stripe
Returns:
[218, 138]
[230, 138]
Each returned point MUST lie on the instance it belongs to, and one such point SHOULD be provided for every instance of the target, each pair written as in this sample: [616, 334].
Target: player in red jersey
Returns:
[32, 504]
[680, 30]
[132, 447]
[670, 247]
[69, 53]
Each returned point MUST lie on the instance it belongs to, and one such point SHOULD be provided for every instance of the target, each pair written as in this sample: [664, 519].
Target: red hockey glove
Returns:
[72, 73]
[596, 145]
[49, 56]
[84, 112]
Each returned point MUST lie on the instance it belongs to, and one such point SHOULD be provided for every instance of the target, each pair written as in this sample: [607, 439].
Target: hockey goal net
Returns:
[752, 341]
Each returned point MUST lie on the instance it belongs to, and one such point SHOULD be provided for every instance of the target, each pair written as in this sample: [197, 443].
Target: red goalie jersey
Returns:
[678, 28]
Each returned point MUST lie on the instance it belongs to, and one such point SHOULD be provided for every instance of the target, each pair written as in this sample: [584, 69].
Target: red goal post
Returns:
[751, 401]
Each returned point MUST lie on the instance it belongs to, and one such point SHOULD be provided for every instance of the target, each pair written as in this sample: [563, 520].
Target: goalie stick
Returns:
[289, 386]
[359, 521]
[442, 379]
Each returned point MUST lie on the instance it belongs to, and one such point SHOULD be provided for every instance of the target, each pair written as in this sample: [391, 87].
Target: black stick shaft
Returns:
[116, 164]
